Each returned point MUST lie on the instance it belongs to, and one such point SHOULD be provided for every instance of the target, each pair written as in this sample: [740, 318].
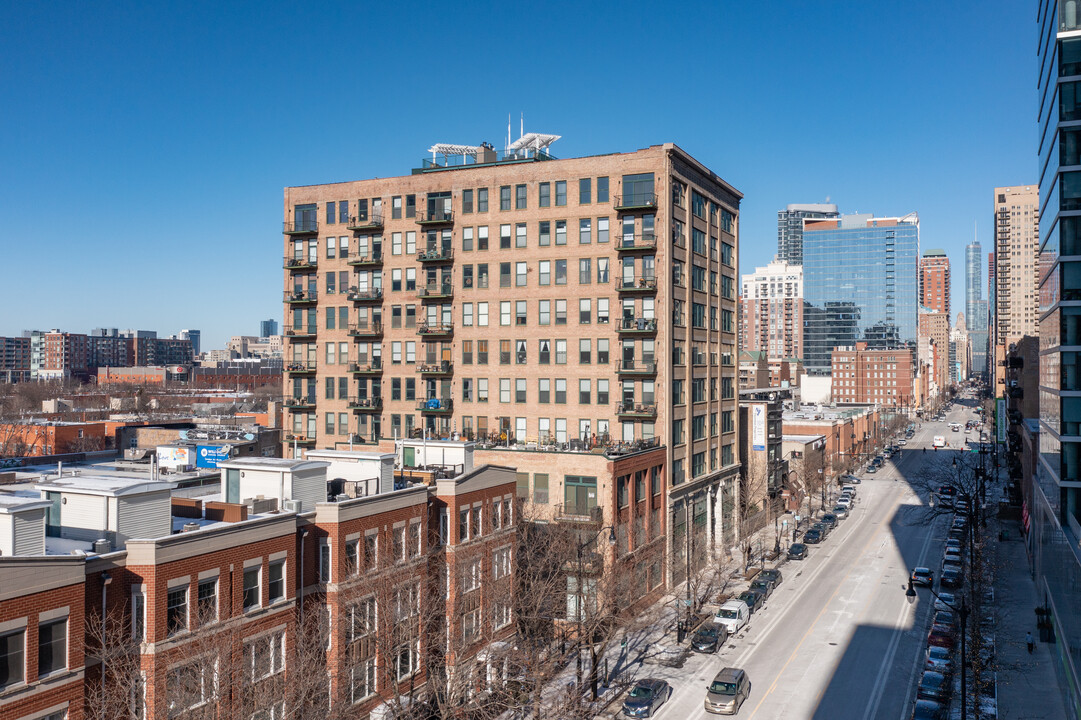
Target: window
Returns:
[12, 659]
[584, 351]
[544, 391]
[520, 271]
[544, 233]
[519, 197]
[482, 203]
[561, 272]
[467, 201]
[371, 550]
[520, 390]
[561, 232]
[520, 239]
[176, 610]
[545, 312]
[561, 193]
[585, 271]
[585, 312]
[561, 312]
[585, 191]
[396, 208]
[561, 391]
[585, 231]
[561, 352]
[253, 596]
[504, 237]
[191, 686]
[504, 274]
[504, 313]
[602, 189]
[138, 622]
[52, 647]
[482, 314]
[504, 390]
[276, 581]
[584, 391]
[504, 197]
[482, 240]
[207, 603]
[602, 348]
[602, 311]
[545, 195]
[544, 274]
[602, 391]
[520, 307]
[265, 656]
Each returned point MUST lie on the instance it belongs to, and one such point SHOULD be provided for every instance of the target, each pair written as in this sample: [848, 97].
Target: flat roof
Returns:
[14, 503]
[114, 486]
[801, 438]
[271, 463]
[350, 454]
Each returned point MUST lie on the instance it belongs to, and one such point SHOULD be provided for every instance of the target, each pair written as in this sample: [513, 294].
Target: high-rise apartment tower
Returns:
[790, 228]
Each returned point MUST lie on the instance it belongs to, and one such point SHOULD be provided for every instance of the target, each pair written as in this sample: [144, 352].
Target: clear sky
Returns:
[144, 146]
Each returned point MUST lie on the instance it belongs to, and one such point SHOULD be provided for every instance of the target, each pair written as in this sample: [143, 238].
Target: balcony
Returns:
[294, 264]
[372, 404]
[636, 368]
[300, 404]
[436, 406]
[438, 217]
[435, 256]
[371, 295]
[437, 370]
[637, 326]
[443, 291]
[369, 221]
[367, 260]
[632, 411]
[301, 227]
[580, 512]
[301, 297]
[300, 334]
[366, 330]
[301, 440]
[636, 201]
[637, 243]
[436, 332]
[638, 286]
[300, 367]
[375, 368]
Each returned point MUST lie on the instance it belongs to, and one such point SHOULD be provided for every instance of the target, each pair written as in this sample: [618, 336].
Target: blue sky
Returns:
[144, 146]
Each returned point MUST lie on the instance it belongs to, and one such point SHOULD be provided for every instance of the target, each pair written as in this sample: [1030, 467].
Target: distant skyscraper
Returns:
[772, 310]
[790, 228]
[935, 281]
[975, 308]
[860, 284]
[268, 328]
[196, 339]
[1017, 245]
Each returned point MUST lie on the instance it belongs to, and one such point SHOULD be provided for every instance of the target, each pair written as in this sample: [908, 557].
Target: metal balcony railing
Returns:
[635, 201]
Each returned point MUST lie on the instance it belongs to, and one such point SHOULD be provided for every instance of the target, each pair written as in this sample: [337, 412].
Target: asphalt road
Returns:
[838, 639]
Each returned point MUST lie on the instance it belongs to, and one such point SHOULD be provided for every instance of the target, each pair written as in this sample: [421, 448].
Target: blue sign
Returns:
[208, 456]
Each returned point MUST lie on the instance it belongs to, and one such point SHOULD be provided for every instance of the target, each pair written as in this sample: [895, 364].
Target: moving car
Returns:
[709, 637]
[812, 537]
[933, 686]
[646, 698]
[797, 551]
[753, 598]
[733, 615]
[922, 576]
[728, 691]
[872, 469]
[851, 479]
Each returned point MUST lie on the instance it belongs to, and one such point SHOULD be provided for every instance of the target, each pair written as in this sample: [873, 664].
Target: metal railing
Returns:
[643, 241]
[299, 263]
[372, 328]
[299, 402]
[632, 408]
[435, 255]
[301, 296]
[436, 216]
[300, 366]
[437, 329]
[300, 332]
[366, 403]
[638, 324]
[372, 368]
[372, 258]
[300, 227]
[438, 368]
[636, 200]
[436, 405]
[634, 366]
[368, 220]
[645, 284]
[371, 294]
[438, 290]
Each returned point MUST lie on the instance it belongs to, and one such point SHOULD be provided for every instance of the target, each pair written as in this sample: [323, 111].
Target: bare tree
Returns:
[754, 500]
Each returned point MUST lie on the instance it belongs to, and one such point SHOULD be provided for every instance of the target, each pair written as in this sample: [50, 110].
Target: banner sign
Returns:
[758, 427]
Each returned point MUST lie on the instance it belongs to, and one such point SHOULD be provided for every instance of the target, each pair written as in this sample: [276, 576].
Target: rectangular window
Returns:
[585, 271]
[545, 195]
[561, 193]
[520, 271]
[545, 352]
[520, 310]
[520, 390]
[544, 312]
[585, 231]
[467, 201]
[544, 233]
[561, 272]
[504, 197]
[504, 390]
[253, 595]
[544, 274]
[176, 610]
[504, 237]
[602, 189]
[520, 239]
[602, 349]
[561, 232]
[12, 659]
[602, 230]
[482, 200]
[561, 312]
[208, 601]
[561, 391]
[276, 581]
[482, 239]
[519, 197]
[52, 647]
[504, 314]
[482, 275]
[585, 352]
[585, 191]
[602, 391]
[544, 391]
[396, 208]
[584, 391]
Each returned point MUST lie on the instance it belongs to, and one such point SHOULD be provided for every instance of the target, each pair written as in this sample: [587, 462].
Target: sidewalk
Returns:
[1027, 684]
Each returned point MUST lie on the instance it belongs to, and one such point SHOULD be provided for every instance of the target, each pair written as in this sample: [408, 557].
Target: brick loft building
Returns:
[610, 282]
[863, 376]
[294, 586]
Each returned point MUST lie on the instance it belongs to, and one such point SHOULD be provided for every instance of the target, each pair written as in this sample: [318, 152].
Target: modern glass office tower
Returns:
[861, 284]
[790, 228]
[975, 308]
[1055, 505]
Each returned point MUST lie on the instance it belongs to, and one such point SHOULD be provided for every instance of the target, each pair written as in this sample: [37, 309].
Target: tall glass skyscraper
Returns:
[975, 307]
[790, 228]
[1054, 498]
[860, 283]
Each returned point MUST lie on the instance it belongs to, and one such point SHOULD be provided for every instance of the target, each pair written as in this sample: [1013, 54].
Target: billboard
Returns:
[208, 456]
[758, 427]
[172, 456]
[1000, 419]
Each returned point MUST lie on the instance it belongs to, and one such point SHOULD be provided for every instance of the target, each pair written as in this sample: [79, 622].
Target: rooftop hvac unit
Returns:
[190, 527]
[102, 546]
[342, 497]
[291, 506]
[263, 505]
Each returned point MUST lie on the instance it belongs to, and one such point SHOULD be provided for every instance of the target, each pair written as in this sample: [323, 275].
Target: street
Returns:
[838, 639]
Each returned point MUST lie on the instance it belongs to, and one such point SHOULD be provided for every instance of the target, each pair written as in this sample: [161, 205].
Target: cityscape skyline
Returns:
[212, 151]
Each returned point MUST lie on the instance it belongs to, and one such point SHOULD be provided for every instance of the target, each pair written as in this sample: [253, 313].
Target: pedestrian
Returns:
[1030, 642]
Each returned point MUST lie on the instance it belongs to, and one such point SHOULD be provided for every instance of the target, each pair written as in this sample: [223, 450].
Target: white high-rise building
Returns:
[772, 310]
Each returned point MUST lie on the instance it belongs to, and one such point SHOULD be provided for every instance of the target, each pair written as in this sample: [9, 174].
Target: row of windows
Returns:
[548, 194]
[52, 653]
[181, 614]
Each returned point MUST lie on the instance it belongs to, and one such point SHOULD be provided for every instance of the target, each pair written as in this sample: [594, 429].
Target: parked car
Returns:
[797, 551]
[940, 636]
[710, 637]
[733, 615]
[922, 576]
[830, 519]
[763, 587]
[812, 537]
[945, 601]
[851, 479]
[939, 659]
[840, 511]
[729, 689]
[845, 501]
[872, 469]
[947, 619]
[950, 578]
[822, 528]
[646, 698]
[933, 686]
[753, 598]
[953, 543]
[952, 554]
[773, 575]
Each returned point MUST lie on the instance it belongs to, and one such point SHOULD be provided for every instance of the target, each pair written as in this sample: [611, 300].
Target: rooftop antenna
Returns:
[507, 146]
[521, 132]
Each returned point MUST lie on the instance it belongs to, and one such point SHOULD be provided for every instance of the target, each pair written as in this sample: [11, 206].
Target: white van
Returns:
[939, 441]
[734, 614]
